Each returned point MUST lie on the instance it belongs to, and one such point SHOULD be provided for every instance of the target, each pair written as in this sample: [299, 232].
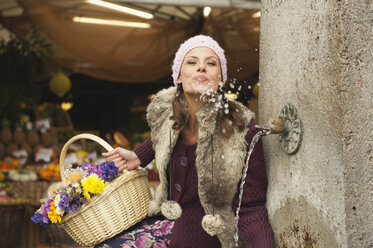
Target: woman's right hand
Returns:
[122, 158]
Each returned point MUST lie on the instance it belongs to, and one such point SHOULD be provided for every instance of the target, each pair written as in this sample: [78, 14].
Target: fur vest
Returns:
[228, 155]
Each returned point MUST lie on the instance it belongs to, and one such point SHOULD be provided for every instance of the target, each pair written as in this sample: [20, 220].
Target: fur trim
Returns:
[171, 210]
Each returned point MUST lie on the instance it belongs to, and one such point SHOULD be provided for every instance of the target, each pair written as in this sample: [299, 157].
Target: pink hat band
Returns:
[198, 41]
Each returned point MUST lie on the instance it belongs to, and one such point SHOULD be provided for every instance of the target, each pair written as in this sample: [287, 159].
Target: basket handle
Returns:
[95, 138]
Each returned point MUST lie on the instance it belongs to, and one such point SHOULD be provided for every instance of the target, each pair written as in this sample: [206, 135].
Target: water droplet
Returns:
[256, 49]
[239, 87]
[226, 105]
[231, 85]
[249, 87]
[223, 130]
[259, 84]
[222, 156]
[237, 110]
[226, 111]
[229, 92]
[230, 122]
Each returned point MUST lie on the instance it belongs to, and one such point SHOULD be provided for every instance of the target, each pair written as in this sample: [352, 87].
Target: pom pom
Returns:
[171, 210]
[212, 224]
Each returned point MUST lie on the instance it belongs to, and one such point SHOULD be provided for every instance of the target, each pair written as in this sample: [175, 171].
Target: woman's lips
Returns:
[201, 78]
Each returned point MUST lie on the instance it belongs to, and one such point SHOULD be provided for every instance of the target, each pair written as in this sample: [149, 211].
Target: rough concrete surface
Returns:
[356, 56]
[317, 55]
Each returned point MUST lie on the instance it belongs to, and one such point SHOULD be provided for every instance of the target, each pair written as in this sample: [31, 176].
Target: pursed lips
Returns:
[200, 78]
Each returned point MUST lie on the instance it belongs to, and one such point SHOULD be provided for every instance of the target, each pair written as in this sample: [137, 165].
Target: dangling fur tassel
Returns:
[171, 210]
[212, 224]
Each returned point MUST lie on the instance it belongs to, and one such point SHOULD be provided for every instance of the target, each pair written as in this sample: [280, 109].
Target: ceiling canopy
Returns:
[139, 54]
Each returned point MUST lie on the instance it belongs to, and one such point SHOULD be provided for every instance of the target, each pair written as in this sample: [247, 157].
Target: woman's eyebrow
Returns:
[195, 57]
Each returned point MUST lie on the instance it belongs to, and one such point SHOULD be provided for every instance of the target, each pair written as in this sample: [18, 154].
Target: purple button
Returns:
[178, 187]
[183, 161]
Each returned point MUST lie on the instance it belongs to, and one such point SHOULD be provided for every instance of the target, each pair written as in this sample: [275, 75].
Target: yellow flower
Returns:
[86, 195]
[92, 184]
[53, 215]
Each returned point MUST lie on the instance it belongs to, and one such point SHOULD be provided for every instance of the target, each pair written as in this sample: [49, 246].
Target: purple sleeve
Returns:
[253, 225]
[145, 152]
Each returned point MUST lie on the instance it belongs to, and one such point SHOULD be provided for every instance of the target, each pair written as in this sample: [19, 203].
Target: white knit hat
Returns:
[198, 41]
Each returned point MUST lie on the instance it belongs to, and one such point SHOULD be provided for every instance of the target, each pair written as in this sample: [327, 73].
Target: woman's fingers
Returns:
[110, 153]
[122, 158]
[117, 160]
[133, 164]
[113, 157]
[120, 165]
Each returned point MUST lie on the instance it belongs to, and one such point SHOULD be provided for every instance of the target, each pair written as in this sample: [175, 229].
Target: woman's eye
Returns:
[191, 62]
[211, 63]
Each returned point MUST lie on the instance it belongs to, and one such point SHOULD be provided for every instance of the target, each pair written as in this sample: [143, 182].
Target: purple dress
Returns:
[254, 226]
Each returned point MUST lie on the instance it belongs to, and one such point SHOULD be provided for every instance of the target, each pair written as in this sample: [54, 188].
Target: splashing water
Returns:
[206, 91]
[251, 148]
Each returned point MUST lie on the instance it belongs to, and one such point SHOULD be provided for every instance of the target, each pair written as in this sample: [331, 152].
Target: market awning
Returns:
[133, 55]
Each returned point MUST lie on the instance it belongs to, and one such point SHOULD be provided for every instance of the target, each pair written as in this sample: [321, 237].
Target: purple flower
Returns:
[143, 240]
[37, 218]
[109, 171]
[74, 208]
[161, 244]
[44, 209]
[92, 169]
[164, 229]
[64, 201]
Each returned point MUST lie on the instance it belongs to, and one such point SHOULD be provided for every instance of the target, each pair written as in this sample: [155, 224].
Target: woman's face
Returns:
[200, 72]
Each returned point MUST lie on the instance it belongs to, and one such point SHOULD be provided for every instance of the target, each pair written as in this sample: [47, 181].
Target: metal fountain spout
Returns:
[288, 125]
[273, 126]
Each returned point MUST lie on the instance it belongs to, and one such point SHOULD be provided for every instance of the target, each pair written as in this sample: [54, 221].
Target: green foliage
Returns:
[21, 64]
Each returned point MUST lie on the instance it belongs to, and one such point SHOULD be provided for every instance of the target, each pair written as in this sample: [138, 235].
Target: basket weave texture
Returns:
[123, 203]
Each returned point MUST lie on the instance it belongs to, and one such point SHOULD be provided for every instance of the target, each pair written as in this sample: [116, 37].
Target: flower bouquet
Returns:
[80, 185]
[94, 203]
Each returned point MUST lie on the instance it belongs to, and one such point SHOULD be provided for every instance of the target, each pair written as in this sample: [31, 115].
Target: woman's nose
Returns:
[201, 68]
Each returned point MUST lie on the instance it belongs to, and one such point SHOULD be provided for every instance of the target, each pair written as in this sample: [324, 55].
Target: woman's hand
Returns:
[122, 158]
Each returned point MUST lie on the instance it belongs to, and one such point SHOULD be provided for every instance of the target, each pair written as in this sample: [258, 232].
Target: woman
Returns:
[200, 139]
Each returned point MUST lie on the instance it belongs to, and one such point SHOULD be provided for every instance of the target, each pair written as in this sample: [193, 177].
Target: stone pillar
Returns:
[318, 55]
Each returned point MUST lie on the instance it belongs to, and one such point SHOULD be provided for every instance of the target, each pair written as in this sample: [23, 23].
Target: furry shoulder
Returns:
[160, 106]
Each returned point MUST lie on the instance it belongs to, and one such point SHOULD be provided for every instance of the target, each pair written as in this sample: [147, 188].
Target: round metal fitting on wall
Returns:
[291, 138]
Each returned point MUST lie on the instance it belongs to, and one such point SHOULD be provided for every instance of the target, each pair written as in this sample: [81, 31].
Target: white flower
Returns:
[59, 211]
[77, 186]
[57, 200]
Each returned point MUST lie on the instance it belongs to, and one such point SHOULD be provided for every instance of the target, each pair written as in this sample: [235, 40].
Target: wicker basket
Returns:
[123, 203]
